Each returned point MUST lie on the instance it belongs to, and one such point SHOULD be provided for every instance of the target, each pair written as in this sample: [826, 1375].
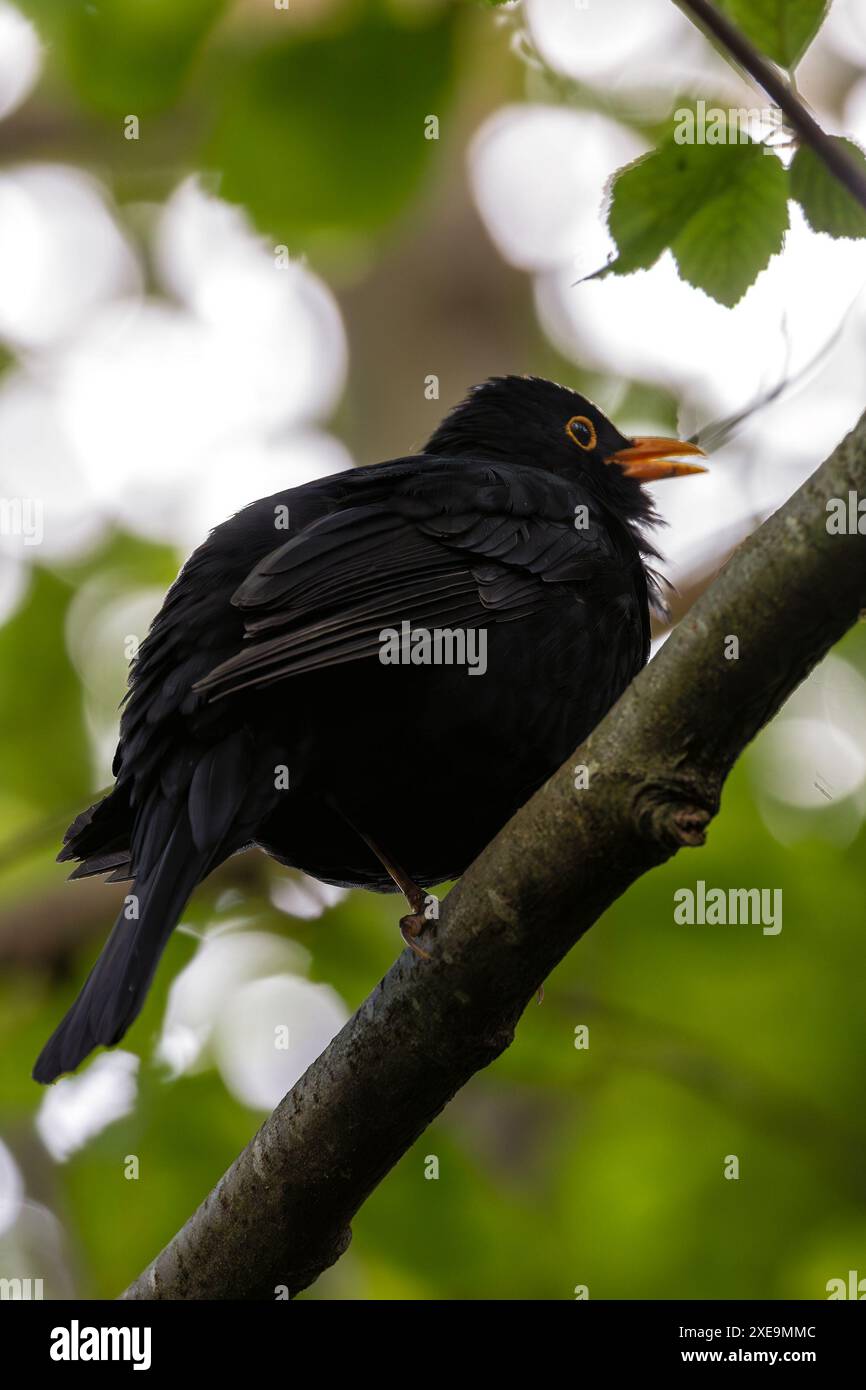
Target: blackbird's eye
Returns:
[582, 431]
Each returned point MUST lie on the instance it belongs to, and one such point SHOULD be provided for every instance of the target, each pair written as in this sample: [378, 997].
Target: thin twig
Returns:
[835, 156]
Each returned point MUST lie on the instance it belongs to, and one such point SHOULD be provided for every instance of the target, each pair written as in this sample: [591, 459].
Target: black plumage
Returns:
[523, 518]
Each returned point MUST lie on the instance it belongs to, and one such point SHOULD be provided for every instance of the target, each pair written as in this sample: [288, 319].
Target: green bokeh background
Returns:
[558, 1167]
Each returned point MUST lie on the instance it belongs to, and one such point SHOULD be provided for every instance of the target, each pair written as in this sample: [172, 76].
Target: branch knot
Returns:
[672, 814]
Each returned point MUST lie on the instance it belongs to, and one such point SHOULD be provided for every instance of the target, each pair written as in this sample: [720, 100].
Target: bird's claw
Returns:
[411, 926]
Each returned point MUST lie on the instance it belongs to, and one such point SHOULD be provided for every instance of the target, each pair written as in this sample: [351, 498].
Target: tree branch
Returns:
[657, 762]
[836, 157]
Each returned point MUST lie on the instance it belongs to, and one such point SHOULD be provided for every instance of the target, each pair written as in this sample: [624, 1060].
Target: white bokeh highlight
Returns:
[76, 1108]
[20, 58]
[11, 1189]
[161, 413]
[539, 175]
[248, 1035]
[225, 1007]
[812, 758]
[303, 897]
[61, 254]
[32, 1242]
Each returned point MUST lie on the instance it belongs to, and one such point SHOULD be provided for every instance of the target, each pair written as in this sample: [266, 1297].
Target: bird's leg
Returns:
[412, 925]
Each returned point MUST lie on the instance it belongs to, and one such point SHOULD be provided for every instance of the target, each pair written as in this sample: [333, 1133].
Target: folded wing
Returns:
[455, 545]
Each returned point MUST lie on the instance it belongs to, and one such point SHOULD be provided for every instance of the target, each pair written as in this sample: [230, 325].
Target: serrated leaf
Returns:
[724, 247]
[781, 29]
[722, 210]
[652, 198]
[826, 202]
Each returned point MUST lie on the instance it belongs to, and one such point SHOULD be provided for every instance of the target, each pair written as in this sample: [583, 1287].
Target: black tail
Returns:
[116, 986]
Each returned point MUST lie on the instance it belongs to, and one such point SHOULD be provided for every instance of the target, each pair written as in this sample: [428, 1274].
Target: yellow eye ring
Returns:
[581, 432]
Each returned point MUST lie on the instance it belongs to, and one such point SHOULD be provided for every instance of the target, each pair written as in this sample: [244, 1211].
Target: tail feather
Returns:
[115, 989]
[100, 832]
[116, 863]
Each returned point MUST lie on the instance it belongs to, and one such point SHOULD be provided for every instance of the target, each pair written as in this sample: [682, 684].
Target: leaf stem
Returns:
[834, 155]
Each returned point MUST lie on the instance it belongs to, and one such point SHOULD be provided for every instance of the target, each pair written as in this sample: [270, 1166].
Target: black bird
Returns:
[260, 710]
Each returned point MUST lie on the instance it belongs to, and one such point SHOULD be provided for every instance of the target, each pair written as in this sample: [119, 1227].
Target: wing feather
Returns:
[451, 545]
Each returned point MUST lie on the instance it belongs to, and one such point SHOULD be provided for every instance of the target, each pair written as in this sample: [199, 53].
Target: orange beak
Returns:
[648, 458]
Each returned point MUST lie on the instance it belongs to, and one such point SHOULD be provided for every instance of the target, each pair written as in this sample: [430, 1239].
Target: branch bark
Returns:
[657, 763]
[837, 159]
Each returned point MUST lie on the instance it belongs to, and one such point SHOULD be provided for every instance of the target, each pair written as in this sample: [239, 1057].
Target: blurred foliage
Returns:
[38, 676]
[252, 109]
[301, 164]
[124, 56]
[558, 1166]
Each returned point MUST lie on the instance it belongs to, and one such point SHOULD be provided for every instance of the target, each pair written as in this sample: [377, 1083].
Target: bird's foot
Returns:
[411, 926]
[425, 909]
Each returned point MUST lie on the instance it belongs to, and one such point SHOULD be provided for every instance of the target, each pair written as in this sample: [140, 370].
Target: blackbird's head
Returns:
[528, 420]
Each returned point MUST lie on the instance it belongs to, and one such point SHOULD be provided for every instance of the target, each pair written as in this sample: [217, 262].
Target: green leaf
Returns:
[782, 29]
[722, 210]
[125, 57]
[325, 132]
[828, 205]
